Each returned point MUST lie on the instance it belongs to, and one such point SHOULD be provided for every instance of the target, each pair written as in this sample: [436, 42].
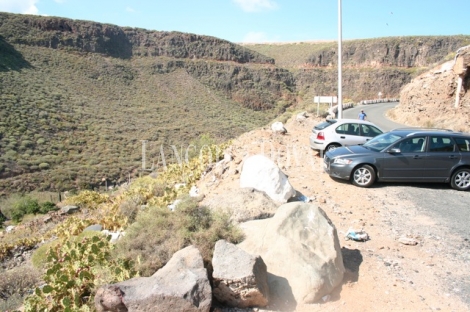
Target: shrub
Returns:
[47, 206]
[14, 285]
[158, 233]
[25, 205]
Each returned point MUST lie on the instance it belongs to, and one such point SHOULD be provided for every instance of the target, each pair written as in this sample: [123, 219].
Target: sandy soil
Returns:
[382, 274]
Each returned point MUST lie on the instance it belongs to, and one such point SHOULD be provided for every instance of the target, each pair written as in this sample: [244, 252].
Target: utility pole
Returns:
[340, 74]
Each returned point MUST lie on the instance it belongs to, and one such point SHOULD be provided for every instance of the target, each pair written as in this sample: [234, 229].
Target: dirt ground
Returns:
[382, 274]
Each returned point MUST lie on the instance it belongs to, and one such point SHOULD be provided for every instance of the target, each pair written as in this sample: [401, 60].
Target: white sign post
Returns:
[324, 99]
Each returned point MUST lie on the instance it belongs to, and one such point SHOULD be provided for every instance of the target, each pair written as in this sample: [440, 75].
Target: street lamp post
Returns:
[340, 74]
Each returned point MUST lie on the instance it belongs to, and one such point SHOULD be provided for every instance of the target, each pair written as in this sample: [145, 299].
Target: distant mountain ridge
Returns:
[123, 42]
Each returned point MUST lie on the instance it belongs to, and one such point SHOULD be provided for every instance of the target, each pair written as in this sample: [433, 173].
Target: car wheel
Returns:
[332, 146]
[363, 176]
[461, 180]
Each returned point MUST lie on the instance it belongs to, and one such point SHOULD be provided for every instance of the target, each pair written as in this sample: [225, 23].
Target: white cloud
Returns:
[256, 5]
[19, 6]
[257, 37]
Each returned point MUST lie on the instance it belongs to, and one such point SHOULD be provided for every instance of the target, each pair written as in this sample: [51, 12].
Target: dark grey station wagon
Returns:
[405, 155]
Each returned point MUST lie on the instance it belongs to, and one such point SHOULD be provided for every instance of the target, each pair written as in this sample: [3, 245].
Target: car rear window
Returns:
[324, 124]
[463, 144]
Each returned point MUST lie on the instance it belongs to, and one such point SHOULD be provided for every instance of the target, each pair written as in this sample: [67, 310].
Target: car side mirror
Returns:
[394, 150]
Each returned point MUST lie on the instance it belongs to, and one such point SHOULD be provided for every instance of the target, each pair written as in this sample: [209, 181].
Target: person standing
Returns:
[362, 115]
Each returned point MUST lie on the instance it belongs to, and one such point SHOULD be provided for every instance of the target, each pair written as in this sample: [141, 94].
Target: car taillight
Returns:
[320, 136]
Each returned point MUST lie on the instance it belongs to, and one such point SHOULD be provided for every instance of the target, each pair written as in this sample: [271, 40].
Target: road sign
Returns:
[325, 99]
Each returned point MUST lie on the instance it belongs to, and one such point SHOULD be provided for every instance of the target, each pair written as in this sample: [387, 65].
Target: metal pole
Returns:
[340, 76]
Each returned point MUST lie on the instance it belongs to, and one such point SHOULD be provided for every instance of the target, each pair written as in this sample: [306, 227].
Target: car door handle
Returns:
[342, 137]
[416, 157]
[452, 157]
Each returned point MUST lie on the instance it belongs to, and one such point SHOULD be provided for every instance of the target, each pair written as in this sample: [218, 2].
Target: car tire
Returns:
[460, 180]
[363, 176]
[332, 146]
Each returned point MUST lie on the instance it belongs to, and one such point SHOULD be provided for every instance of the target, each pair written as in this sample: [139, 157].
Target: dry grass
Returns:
[15, 285]
[158, 233]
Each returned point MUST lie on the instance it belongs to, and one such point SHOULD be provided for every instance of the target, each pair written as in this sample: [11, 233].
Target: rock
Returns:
[300, 247]
[262, 174]
[408, 241]
[301, 116]
[242, 204]
[10, 228]
[94, 227]
[47, 219]
[181, 285]
[278, 127]
[239, 278]
[69, 209]
[115, 236]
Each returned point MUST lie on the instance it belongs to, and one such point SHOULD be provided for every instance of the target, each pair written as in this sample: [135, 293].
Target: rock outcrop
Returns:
[439, 97]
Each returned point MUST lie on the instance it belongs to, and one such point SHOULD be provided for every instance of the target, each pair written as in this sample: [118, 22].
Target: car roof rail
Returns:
[421, 129]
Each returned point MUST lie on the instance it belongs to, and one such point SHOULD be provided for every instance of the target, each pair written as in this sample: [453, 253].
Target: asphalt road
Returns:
[448, 208]
[376, 114]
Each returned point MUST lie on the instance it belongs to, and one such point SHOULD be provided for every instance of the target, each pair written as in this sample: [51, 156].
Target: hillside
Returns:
[78, 97]
[76, 102]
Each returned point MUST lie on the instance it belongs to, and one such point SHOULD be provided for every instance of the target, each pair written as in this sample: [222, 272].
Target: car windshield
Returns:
[325, 124]
[382, 141]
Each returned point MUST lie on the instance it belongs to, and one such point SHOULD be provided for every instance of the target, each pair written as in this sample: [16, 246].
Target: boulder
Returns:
[278, 127]
[301, 249]
[69, 209]
[93, 227]
[262, 174]
[181, 285]
[239, 278]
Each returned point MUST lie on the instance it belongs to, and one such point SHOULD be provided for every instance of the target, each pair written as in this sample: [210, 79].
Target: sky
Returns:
[264, 21]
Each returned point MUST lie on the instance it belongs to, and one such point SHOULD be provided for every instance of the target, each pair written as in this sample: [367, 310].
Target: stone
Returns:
[181, 285]
[69, 209]
[262, 174]
[93, 227]
[301, 249]
[239, 278]
[278, 127]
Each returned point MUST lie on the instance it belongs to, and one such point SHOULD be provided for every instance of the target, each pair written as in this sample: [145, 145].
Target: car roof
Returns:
[427, 131]
[342, 120]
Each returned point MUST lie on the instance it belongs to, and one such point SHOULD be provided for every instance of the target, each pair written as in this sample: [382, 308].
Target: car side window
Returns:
[463, 144]
[412, 145]
[441, 144]
[370, 131]
[348, 128]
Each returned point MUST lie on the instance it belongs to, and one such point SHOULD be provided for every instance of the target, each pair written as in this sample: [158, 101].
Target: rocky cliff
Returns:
[439, 97]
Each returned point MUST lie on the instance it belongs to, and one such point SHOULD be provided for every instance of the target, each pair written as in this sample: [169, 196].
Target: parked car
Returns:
[405, 155]
[333, 133]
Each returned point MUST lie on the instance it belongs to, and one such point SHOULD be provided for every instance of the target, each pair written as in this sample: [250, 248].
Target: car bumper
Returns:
[316, 145]
[338, 171]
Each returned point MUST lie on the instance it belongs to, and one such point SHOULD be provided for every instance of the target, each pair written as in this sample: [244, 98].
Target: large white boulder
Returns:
[262, 174]
[301, 249]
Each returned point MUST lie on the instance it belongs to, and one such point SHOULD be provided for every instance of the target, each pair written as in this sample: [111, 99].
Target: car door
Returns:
[405, 160]
[349, 134]
[441, 157]
[368, 132]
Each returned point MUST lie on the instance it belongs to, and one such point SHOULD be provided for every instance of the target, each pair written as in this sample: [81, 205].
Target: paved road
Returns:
[450, 209]
[376, 114]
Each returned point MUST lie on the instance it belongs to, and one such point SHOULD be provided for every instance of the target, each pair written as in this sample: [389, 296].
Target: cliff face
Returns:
[390, 52]
[115, 41]
[439, 97]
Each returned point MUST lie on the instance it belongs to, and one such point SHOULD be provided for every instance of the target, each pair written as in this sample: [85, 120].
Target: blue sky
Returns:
[265, 20]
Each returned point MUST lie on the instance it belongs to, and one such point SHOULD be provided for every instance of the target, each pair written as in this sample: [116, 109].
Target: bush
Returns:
[47, 206]
[14, 286]
[25, 205]
[158, 233]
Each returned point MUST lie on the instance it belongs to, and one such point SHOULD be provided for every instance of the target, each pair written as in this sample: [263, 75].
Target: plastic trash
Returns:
[359, 236]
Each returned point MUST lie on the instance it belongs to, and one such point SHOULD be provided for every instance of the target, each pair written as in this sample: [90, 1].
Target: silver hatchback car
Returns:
[333, 133]
[405, 155]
